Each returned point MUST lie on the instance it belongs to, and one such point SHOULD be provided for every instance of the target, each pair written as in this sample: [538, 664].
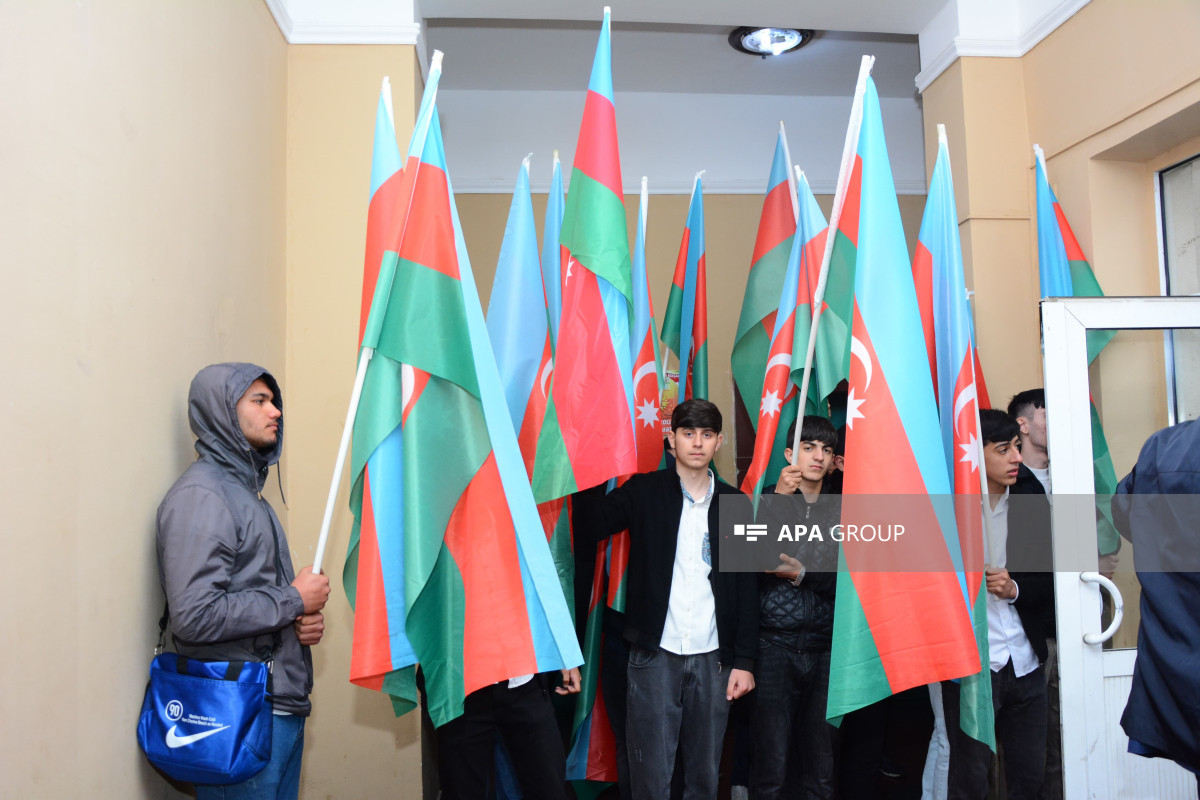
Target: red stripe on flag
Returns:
[535, 409]
[768, 323]
[922, 269]
[848, 224]
[700, 318]
[776, 222]
[497, 642]
[430, 238]
[380, 213]
[420, 379]
[596, 153]
[1074, 251]
[597, 436]
[980, 383]
[680, 275]
[370, 653]
[966, 479]
[771, 404]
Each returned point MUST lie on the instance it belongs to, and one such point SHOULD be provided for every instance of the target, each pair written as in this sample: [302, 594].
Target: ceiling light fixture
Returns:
[769, 41]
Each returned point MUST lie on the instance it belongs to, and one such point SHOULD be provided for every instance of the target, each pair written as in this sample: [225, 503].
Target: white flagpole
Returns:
[787, 160]
[835, 217]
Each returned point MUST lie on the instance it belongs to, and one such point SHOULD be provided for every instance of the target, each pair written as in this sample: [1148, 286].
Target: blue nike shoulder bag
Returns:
[208, 722]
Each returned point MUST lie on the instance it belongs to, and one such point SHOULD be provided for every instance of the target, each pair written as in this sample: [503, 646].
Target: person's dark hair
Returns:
[839, 449]
[816, 429]
[996, 426]
[696, 413]
[1025, 403]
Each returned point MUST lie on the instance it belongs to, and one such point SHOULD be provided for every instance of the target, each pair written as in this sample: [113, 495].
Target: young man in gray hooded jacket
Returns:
[225, 567]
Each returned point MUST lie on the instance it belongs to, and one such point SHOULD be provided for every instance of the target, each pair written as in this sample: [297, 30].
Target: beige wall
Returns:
[141, 237]
[354, 745]
[1113, 95]
[730, 224]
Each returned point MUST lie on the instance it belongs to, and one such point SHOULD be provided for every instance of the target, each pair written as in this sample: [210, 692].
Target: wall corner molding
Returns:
[968, 46]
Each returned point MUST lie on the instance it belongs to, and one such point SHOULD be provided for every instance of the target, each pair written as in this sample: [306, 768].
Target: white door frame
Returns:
[1087, 771]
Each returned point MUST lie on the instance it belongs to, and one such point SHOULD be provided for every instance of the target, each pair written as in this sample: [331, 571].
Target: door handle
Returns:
[1118, 607]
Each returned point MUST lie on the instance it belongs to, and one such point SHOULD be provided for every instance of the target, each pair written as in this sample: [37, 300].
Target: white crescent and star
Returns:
[408, 380]
[858, 350]
[545, 376]
[643, 371]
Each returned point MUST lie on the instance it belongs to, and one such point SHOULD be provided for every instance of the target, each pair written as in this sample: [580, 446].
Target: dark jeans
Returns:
[280, 778]
[675, 702]
[1052, 786]
[613, 670]
[1020, 708]
[788, 724]
[525, 719]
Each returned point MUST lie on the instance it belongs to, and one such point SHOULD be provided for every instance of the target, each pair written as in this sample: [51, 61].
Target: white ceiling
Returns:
[515, 71]
[539, 56]
[879, 16]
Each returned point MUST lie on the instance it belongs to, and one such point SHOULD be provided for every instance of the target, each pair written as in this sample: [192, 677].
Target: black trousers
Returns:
[525, 719]
[1019, 705]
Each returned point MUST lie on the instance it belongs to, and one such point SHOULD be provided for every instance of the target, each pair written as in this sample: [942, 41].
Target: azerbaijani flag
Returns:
[588, 435]
[593, 752]
[955, 382]
[553, 256]
[517, 323]
[892, 629]
[386, 175]
[789, 341]
[447, 564]
[772, 246]
[1063, 271]
[685, 322]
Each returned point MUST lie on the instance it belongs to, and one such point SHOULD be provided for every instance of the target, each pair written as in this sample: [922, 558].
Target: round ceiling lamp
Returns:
[769, 41]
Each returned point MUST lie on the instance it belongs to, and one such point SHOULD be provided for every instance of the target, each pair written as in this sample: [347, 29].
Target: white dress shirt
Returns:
[691, 625]
[1006, 634]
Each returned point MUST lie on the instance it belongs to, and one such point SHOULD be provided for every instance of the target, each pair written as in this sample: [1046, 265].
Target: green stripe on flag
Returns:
[1105, 477]
[856, 674]
[700, 372]
[553, 476]
[975, 715]
[749, 363]
[593, 229]
[831, 360]
[671, 322]
[445, 427]
[763, 287]
[1084, 284]
[426, 324]
[435, 624]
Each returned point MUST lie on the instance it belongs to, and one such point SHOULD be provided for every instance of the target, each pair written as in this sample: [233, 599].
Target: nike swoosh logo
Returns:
[174, 740]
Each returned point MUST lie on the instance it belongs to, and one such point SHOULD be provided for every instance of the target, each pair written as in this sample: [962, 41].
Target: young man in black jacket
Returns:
[1020, 606]
[795, 633]
[692, 629]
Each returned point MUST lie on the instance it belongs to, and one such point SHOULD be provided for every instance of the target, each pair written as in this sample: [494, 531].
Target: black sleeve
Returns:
[596, 515]
[745, 648]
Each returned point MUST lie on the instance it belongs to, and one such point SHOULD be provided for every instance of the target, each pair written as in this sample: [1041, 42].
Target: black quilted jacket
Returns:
[801, 618]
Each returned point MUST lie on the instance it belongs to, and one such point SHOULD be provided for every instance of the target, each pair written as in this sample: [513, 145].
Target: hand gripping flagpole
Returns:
[379, 301]
[835, 217]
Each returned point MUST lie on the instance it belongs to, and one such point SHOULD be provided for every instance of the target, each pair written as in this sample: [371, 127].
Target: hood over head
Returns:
[212, 414]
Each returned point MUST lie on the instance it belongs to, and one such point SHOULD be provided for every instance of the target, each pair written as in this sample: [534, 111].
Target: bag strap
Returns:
[233, 670]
